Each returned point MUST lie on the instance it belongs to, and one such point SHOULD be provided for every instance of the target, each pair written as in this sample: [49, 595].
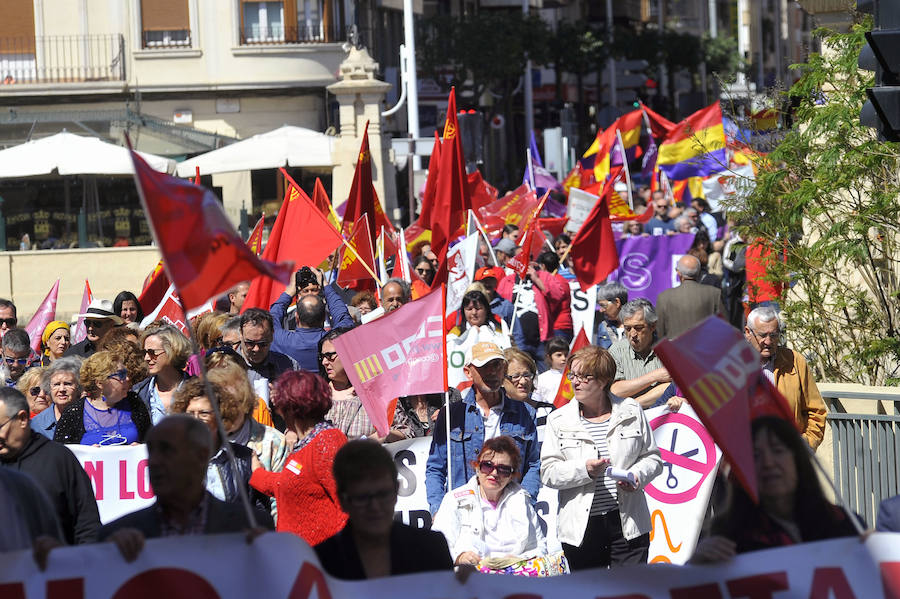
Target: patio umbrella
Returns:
[70, 154]
[285, 146]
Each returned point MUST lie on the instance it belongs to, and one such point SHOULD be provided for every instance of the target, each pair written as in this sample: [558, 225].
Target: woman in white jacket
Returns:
[491, 516]
[603, 520]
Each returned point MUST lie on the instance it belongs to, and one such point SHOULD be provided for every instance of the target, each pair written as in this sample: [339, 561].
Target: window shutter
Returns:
[165, 15]
[17, 27]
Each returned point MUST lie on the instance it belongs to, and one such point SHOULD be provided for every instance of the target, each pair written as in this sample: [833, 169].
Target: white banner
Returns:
[461, 271]
[578, 208]
[584, 308]
[119, 476]
[282, 566]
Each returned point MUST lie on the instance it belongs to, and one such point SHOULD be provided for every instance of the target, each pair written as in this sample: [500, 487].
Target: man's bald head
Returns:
[688, 267]
[311, 312]
[178, 452]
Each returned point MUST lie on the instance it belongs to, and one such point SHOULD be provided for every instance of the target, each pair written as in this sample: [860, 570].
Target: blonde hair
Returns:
[97, 368]
[235, 385]
[208, 329]
[30, 378]
[177, 346]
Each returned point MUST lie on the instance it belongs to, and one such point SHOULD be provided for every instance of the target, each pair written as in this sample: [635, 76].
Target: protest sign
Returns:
[283, 566]
[584, 307]
[647, 264]
[119, 477]
[579, 206]
[460, 271]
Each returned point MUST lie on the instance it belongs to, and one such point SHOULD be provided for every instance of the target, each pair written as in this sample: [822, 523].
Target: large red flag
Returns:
[255, 241]
[430, 183]
[301, 233]
[362, 198]
[204, 256]
[481, 192]
[45, 314]
[718, 371]
[512, 208]
[402, 353]
[451, 199]
[565, 393]
[593, 249]
[352, 267]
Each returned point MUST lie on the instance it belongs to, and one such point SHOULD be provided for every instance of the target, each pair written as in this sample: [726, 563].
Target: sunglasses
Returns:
[8, 322]
[119, 375]
[34, 391]
[503, 470]
[90, 322]
[327, 355]
[16, 361]
[154, 353]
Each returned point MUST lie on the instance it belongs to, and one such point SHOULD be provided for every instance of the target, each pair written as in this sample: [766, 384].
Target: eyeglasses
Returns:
[200, 414]
[34, 391]
[584, 378]
[260, 344]
[232, 344]
[487, 467]
[424, 271]
[517, 377]
[154, 353]
[7, 421]
[8, 322]
[119, 375]
[328, 355]
[16, 361]
[773, 335]
[364, 499]
[90, 322]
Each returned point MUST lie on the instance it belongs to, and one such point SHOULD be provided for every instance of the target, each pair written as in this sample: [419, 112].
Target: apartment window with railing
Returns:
[290, 21]
[165, 24]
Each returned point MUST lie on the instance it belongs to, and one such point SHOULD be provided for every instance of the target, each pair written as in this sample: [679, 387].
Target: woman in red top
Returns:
[305, 490]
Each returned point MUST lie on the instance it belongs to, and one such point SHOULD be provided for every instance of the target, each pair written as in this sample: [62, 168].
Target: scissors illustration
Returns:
[671, 479]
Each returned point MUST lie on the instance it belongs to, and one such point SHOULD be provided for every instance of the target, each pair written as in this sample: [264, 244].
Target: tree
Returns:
[829, 195]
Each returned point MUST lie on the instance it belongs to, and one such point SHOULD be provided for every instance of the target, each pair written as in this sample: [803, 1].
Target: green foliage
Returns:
[829, 194]
[722, 57]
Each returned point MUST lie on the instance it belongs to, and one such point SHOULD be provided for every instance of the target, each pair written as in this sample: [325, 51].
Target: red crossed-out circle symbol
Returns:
[695, 436]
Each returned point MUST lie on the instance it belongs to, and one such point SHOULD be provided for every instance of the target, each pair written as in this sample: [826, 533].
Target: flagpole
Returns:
[625, 167]
[446, 390]
[363, 262]
[530, 168]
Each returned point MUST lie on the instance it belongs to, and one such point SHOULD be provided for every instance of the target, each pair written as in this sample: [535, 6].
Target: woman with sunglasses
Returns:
[110, 413]
[55, 341]
[603, 517]
[491, 517]
[30, 386]
[166, 352]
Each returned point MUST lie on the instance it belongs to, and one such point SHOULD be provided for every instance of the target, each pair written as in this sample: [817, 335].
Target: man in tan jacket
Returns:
[789, 372]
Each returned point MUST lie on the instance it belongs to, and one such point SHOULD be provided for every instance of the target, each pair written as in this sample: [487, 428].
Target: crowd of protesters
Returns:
[260, 427]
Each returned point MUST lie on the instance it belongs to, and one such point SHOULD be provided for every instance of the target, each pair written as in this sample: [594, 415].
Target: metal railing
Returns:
[62, 59]
[277, 34]
[866, 449]
[169, 39]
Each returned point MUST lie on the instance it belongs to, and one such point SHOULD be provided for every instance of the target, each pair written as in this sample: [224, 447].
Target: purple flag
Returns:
[647, 264]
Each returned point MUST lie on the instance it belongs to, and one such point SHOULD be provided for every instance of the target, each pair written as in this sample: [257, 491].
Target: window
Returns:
[262, 21]
[165, 24]
[290, 21]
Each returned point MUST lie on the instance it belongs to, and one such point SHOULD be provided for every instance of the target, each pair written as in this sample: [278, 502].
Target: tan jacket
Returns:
[794, 380]
[568, 445]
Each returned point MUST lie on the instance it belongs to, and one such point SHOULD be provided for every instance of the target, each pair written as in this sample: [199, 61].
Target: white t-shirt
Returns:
[547, 385]
[492, 420]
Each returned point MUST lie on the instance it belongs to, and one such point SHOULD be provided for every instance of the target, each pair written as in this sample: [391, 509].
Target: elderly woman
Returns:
[166, 351]
[792, 507]
[30, 386]
[122, 341]
[110, 413]
[54, 341]
[373, 544]
[224, 357]
[364, 301]
[519, 384]
[222, 480]
[305, 489]
[491, 516]
[127, 306]
[610, 299]
[603, 517]
[61, 384]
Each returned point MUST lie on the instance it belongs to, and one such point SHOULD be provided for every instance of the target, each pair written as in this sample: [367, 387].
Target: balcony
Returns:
[62, 59]
[279, 34]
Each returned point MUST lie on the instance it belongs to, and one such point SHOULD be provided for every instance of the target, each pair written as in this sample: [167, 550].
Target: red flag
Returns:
[45, 314]
[519, 263]
[481, 192]
[204, 256]
[317, 241]
[197, 176]
[169, 310]
[402, 353]
[593, 249]
[451, 199]
[320, 199]
[430, 183]
[352, 267]
[154, 289]
[553, 226]
[565, 393]
[511, 208]
[254, 242]
[79, 332]
[363, 199]
[721, 376]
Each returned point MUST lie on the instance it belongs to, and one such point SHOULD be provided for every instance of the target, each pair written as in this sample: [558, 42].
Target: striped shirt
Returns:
[605, 493]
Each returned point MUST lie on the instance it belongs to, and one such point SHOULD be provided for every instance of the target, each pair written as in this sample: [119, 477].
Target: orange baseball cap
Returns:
[489, 271]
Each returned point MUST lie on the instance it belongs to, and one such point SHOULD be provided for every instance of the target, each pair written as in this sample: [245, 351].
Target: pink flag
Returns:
[400, 354]
[44, 316]
[80, 331]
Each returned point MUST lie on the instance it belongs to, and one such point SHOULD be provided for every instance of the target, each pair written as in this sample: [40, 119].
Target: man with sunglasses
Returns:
[17, 355]
[788, 371]
[98, 319]
[53, 467]
[8, 316]
[484, 413]
[264, 364]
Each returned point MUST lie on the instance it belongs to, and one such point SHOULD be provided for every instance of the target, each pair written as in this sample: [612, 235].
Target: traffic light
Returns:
[882, 55]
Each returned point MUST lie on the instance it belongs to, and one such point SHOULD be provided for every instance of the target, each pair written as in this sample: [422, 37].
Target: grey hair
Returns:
[232, 325]
[681, 219]
[70, 364]
[688, 272]
[14, 401]
[17, 340]
[761, 314]
[632, 307]
[611, 291]
[404, 286]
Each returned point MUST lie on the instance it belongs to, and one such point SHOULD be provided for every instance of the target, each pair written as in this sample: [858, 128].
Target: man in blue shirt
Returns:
[661, 223]
[302, 344]
[485, 412]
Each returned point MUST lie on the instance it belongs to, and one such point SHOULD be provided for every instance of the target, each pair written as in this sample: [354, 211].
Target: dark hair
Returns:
[557, 344]
[123, 297]
[816, 517]
[509, 228]
[564, 238]
[361, 459]
[501, 444]
[256, 317]
[474, 297]
[5, 303]
[329, 336]
[420, 259]
[302, 394]
[549, 260]
[311, 311]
